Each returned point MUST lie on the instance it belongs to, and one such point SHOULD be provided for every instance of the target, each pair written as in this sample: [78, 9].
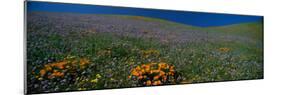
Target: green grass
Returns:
[165, 23]
[252, 29]
[113, 57]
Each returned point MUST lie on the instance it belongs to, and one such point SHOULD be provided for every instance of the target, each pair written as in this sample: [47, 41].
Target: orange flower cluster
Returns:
[224, 49]
[153, 73]
[56, 69]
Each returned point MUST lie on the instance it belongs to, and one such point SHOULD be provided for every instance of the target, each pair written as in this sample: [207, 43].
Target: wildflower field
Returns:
[70, 52]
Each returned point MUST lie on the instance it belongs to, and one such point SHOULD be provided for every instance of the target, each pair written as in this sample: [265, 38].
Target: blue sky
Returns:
[185, 17]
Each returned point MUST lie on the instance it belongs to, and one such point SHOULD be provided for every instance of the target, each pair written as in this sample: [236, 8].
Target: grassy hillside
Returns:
[67, 52]
[253, 30]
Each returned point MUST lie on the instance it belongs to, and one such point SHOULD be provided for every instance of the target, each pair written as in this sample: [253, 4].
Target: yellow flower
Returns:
[172, 70]
[138, 68]
[162, 65]
[171, 73]
[144, 76]
[150, 72]
[162, 73]
[57, 74]
[147, 69]
[95, 80]
[42, 72]
[142, 71]
[148, 82]
[59, 65]
[155, 83]
[98, 75]
[172, 67]
[135, 73]
[155, 71]
[158, 82]
[55, 71]
[140, 77]
[156, 77]
[48, 68]
[70, 57]
[84, 61]
[112, 79]
[40, 78]
[81, 88]
[224, 49]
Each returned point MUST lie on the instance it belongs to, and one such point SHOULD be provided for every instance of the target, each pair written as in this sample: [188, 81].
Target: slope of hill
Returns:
[71, 51]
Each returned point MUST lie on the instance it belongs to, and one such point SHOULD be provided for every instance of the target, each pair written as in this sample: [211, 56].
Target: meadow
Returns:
[71, 52]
